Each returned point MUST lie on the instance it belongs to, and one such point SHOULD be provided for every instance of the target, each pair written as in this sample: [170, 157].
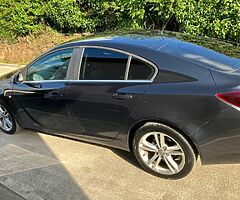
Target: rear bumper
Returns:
[219, 139]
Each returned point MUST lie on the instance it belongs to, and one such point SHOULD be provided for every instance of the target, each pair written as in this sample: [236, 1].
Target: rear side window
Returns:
[140, 70]
[103, 64]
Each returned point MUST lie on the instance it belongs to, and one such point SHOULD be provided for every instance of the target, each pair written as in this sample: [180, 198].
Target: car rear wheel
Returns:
[163, 152]
[7, 122]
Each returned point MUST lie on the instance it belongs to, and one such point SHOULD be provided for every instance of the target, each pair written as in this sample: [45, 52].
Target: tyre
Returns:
[8, 124]
[163, 152]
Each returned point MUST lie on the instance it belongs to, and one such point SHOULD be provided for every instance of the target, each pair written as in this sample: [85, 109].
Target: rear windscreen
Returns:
[219, 56]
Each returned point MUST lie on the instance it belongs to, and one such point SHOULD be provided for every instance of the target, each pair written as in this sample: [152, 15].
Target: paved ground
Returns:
[6, 193]
[40, 166]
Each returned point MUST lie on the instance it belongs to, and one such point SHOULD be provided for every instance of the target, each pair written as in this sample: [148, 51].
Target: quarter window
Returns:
[103, 64]
[54, 66]
[140, 70]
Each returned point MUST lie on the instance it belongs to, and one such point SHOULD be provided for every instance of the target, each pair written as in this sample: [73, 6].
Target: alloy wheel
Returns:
[161, 153]
[6, 122]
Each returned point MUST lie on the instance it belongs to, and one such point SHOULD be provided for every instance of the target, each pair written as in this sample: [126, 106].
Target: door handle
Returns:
[53, 95]
[122, 96]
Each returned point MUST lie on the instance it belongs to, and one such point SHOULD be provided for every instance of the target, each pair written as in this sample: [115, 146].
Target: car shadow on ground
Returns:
[125, 155]
[29, 168]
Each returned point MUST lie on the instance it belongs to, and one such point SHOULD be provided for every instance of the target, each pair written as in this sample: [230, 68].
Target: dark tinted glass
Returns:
[207, 57]
[102, 64]
[140, 70]
[54, 66]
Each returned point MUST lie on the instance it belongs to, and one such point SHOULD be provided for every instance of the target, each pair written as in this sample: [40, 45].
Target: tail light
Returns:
[230, 98]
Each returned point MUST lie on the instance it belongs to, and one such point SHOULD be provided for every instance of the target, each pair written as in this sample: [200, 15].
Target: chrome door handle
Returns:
[53, 95]
[122, 96]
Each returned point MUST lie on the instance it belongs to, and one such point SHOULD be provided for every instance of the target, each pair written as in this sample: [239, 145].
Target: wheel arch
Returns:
[140, 123]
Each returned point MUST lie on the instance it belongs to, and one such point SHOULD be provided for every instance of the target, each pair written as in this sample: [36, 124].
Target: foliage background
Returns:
[214, 18]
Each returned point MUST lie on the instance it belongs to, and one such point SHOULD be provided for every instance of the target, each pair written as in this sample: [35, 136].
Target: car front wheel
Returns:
[7, 122]
[163, 152]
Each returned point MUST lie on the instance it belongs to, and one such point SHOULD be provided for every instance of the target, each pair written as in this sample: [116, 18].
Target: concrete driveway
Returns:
[39, 166]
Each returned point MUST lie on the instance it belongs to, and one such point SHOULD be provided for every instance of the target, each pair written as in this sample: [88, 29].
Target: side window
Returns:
[54, 66]
[140, 70]
[103, 64]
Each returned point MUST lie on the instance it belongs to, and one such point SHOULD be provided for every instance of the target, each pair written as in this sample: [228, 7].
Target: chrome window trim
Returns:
[127, 67]
[128, 63]
[130, 55]
[98, 81]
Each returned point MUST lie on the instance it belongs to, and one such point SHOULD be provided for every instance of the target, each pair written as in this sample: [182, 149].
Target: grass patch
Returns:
[26, 48]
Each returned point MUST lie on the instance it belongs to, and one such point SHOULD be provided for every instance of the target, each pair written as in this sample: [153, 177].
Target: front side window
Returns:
[140, 70]
[103, 64]
[54, 66]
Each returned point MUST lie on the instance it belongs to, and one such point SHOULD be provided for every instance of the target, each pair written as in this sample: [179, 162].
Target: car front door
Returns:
[101, 100]
[42, 94]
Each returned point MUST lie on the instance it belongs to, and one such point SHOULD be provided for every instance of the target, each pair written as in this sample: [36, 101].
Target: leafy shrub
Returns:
[67, 16]
[18, 18]
[215, 18]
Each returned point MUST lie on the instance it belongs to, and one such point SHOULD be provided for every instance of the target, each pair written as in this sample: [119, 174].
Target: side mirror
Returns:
[18, 78]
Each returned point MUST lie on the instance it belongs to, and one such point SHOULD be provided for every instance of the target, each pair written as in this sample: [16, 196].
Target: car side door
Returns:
[41, 95]
[109, 84]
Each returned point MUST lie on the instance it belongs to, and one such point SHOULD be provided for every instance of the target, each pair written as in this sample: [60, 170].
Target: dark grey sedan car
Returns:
[166, 100]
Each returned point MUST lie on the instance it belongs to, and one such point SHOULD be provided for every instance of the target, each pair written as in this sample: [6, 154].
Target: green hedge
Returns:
[215, 18]
[19, 18]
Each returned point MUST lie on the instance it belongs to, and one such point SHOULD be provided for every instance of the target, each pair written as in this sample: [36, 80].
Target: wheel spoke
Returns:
[4, 125]
[8, 122]
[157, 139]
[174, 150]
[157, 162]
[162, 140]
[153, 158]
[1, 110]
[2, 113]
[147, 146]
[176, 153]
[172, 165]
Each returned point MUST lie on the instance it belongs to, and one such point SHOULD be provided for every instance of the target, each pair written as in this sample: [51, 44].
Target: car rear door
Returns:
[42, 95]
[108, 88]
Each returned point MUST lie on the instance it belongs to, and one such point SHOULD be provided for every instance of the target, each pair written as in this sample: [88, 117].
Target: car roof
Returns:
[209, 52]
